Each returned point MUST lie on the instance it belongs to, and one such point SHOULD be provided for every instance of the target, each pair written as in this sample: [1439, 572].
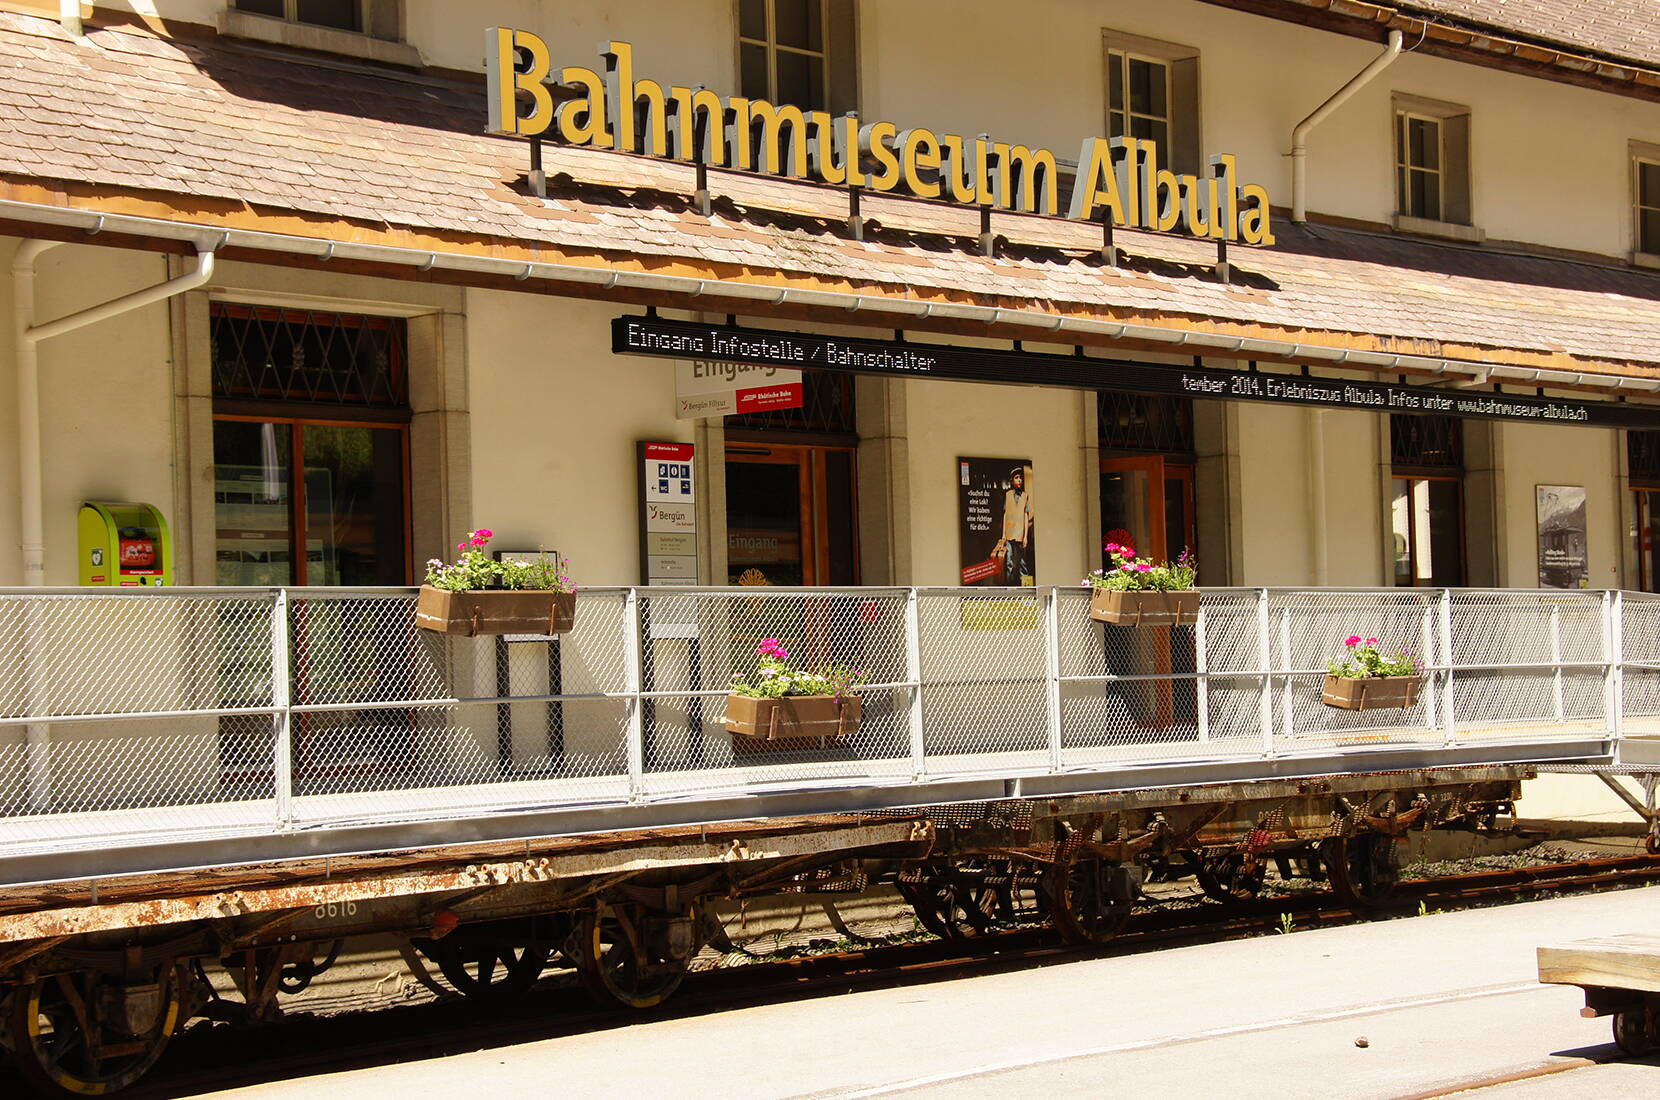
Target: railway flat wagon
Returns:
[1621, 979]
[205, 793]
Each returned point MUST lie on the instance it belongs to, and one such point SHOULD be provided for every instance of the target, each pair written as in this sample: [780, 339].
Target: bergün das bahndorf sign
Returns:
[1120, 178]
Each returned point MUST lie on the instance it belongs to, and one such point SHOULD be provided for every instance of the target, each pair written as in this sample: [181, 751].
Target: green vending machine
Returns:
[124, 545]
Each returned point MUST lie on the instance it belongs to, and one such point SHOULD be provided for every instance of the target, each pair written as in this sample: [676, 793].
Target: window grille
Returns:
[303, 356]
[827, 407]
[1426, 442]
[1139, 422]
[1643, 452]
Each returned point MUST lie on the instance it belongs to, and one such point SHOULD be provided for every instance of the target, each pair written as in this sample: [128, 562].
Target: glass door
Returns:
[791, 515]
[1648, 536]
[1147, 504]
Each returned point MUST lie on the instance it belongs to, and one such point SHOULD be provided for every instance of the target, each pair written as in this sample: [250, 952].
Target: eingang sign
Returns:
[813, 351]
[1118, 178]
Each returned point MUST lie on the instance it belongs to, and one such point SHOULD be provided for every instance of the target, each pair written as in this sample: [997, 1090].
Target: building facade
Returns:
[1418, 353]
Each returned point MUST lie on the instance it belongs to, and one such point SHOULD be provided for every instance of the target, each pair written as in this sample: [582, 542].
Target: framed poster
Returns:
[996, 532]
[1562, 558]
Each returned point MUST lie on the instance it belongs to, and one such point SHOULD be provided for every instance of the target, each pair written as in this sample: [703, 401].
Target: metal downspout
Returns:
[1299, 133]
[30, 490]
[31, 520]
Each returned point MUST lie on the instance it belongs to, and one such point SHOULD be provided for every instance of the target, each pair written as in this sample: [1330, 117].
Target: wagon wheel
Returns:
[80, 1034]
[1364, 870]
[1632, 1033]
[1089, 899]
[487, 969]
[629, 957]
[949, 907]
[1225, 877]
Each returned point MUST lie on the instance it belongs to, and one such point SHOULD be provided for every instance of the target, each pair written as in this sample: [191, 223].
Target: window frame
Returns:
[1455, 156]
[291, 14]
[838, 34]
[1640, 153]
[1121, 59]
[381, 38]
[1184, 151]
[1404, 168]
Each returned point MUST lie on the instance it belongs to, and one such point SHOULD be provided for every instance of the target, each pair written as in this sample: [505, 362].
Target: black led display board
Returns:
[637, 335]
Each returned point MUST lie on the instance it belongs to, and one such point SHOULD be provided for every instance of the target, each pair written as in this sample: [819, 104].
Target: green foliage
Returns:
[475, 569]
[1130, 574]
[774, 677]
[1365, 660]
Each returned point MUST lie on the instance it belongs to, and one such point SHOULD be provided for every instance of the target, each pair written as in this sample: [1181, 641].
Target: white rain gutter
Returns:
[30, 507]
[1299, 134]
[1196, 341]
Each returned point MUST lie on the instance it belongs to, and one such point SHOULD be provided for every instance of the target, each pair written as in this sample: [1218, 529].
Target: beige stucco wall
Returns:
[1531, 455]
[952, 420]
[1035, 75]
[107, 417]
[555, 418]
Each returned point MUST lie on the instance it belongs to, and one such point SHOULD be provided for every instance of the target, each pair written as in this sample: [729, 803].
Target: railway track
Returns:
[211, 1058]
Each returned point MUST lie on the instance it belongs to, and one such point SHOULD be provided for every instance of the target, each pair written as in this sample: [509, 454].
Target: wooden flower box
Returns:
[492, 611]
[793, 722]
[1371, 692]
[1145, 608]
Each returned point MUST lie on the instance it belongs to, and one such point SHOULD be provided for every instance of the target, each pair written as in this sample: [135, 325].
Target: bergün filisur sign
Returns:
[1120, 178]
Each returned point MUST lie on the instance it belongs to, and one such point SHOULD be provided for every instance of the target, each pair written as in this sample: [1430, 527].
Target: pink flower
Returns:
[1142, 567]
[1371, 641]
[480, 542]
[461, 546]
[1352, 639]
[485, 533]
[1113, 548]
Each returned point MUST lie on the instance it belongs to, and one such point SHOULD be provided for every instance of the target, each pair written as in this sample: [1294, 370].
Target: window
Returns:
[342, 15]
[1418, 162]
[371, 29]
[1645, 196]
[797, 52]
[1138, 98]
[1427, 504]
[1643, 458]
[1432, 164]
[310, 447]
[1153, 94]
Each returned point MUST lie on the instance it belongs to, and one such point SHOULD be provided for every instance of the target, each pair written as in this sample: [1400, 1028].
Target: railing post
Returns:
[1449, 720]
[1286, 710]
[1265, 647]
[913, 673]
[1052, 672]
[282, 718]
[1613, 612]
[1201, 682]
[636, 736]
[1556, 654]
[1427, 645]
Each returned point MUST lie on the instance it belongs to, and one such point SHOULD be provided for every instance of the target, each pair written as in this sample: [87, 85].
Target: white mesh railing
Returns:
[146, 714]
